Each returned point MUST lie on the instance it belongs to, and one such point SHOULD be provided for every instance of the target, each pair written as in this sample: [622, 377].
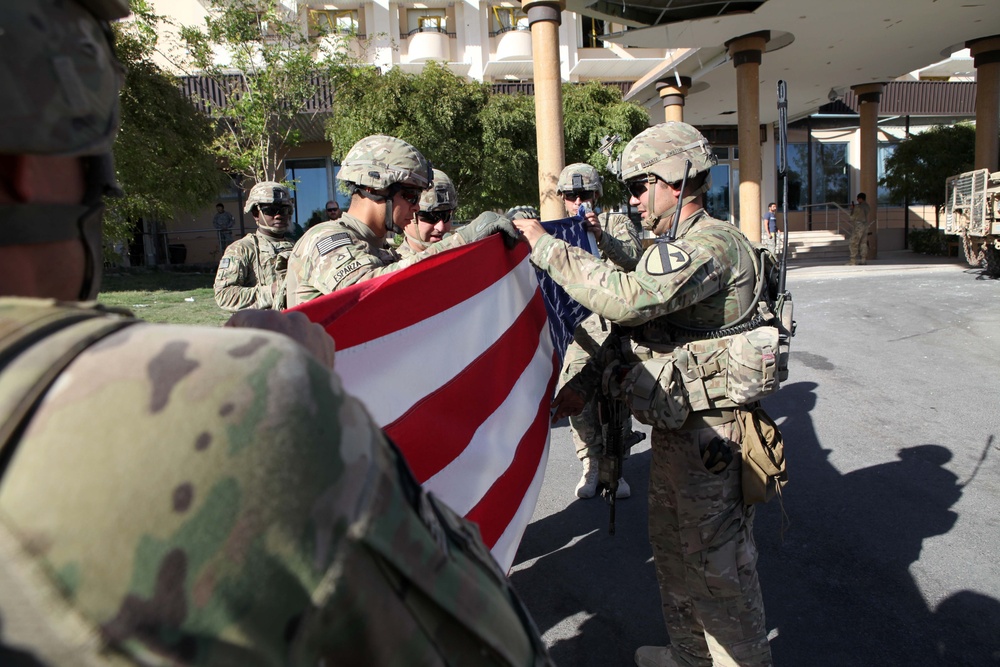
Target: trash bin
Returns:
[177, 253]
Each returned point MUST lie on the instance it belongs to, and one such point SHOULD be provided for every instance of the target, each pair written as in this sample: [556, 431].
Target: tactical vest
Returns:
[690, 370]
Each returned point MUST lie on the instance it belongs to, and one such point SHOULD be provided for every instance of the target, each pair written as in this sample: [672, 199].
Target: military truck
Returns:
[972, 211]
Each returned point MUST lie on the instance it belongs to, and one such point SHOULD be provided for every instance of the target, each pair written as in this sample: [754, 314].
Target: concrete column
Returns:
[986, 56]
[673, 96]
[544, 16]
[869, 95]
[746, 54]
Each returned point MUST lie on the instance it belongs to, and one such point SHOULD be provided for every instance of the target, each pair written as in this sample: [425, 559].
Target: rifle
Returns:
[617, 436]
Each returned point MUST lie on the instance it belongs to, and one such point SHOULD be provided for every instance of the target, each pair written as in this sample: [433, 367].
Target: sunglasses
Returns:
[434, 217]
[332, 210]
[637, 187]
[582, 195]
[275, 209]
[410, 195]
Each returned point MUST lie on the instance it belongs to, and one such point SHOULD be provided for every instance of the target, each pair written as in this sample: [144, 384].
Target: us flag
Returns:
[457, 359]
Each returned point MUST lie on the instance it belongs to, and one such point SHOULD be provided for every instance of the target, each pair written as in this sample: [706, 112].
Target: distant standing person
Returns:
[333, 211]
[223, 222]
[861, 217]
[253, 268]
[771, 228]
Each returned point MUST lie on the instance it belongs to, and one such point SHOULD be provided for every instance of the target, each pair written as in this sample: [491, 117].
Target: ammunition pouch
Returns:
[703, 375]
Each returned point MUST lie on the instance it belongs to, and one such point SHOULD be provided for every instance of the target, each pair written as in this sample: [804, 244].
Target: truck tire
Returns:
[991, 260]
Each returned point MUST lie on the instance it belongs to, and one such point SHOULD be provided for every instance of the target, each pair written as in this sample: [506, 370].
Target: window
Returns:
[333, 21]
[593, 30]
[817, 174]
[426, 20]
[885, 150]
[309, 178]
[505, 19]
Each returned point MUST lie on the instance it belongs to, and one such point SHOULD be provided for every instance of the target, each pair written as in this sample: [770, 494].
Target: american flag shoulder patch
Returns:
[330, 243]
[224, 263]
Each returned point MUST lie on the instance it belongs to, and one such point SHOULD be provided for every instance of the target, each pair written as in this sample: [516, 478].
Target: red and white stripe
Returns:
[453, 357]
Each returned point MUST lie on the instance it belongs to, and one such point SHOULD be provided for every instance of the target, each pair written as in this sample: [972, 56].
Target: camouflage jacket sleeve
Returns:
[652, 290]
[620, 241]
[213, 496]
[237, 285]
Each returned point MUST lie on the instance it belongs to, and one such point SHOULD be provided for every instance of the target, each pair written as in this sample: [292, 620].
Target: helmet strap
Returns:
[416, 241]
[655, 224]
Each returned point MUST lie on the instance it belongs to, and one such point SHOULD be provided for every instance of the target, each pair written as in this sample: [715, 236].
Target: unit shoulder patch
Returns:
[663, 258]
[328, 244]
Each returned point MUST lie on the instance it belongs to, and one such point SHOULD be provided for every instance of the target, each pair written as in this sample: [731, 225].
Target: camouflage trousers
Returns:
[704, 550]
[858, 243]
[587, 340]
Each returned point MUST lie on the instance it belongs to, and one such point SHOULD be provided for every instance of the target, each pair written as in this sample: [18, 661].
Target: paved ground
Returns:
[890, 419]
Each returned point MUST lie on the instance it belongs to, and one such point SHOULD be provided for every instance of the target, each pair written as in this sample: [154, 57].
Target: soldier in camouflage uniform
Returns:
[858, 243]
[190, 496]
[618, 240]
[699, 527]
[253, 268]
[433, 220]
[386, 178]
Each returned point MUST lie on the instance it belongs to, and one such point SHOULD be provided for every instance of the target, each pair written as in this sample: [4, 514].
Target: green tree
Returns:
[269, 82]
[163, 155]
[484, 141]
[591, 112]
[918, 167]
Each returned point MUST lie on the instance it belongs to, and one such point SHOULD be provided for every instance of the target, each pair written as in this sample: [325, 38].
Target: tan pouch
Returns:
[764, 472]
[655, 393]
[751, 370]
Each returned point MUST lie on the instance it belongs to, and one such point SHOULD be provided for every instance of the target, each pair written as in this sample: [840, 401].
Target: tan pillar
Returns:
[544, 18]
[746, 55]
[869, 95]
[986, 56]
[673, 96]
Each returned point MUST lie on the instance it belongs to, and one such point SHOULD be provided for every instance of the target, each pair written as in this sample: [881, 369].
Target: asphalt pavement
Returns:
[891, 419]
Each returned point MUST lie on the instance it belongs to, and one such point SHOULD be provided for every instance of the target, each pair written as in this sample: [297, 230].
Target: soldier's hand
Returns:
[531, 229]
[593, 225]
[294, 325]
[567, 403]
[490, 223]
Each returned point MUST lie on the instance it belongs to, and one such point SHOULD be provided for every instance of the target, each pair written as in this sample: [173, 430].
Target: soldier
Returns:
[581, 186]
[386, 178]
[859, 235]
[433, 220]
[680, 292]
[253, 268]
[183, 495]
[223, 222]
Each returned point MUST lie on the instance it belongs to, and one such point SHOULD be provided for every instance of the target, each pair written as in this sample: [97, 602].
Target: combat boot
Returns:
[587, 486]
[655, 656]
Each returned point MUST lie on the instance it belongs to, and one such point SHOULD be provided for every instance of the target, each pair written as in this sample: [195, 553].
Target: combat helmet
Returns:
[62, 100]
[442, 196]
[660, 153]
[381, 162]
[267, 192]
[580, 177]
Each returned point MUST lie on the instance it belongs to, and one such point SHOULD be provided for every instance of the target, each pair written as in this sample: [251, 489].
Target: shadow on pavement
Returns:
[838, 588]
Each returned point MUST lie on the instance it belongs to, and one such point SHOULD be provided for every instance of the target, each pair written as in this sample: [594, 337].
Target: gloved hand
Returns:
[716, 455]
[490, 223]
[523, 213]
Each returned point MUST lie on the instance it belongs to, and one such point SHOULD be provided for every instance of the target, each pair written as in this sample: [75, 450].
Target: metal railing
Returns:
[829, 216]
